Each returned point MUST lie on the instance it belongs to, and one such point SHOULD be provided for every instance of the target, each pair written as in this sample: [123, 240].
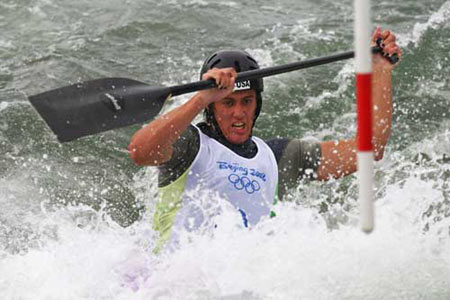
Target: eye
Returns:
[247, 101]
[228, 102]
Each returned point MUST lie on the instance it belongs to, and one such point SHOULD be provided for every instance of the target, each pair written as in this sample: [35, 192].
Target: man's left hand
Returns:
[389, 46]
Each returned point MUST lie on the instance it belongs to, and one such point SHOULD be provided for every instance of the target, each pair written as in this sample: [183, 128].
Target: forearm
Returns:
[382, 105]
[152, 145]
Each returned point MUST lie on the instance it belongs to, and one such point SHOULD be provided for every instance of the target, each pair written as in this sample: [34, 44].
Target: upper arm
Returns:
[185, 150]
[143, 155]
[338, 159]
[297, 159]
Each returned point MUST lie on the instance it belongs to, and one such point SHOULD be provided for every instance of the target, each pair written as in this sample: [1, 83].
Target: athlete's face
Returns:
[235, 114]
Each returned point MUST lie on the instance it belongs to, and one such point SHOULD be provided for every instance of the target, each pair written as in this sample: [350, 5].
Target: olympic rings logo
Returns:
[244, 183]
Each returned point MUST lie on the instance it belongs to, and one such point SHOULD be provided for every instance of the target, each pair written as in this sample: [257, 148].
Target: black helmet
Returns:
[241, 61]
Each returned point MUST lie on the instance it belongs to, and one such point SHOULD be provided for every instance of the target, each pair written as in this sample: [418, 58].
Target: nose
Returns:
[239, 111]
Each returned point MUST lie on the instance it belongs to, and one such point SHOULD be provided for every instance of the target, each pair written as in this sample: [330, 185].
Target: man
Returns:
[222, 156]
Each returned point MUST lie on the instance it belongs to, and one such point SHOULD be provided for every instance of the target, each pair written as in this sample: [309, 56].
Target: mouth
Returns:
[238, 125]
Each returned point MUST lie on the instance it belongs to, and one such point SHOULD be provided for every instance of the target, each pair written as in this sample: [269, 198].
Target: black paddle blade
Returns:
[99, 105]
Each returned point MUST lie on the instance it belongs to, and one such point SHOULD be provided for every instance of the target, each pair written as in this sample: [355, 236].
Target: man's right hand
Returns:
[224, 78]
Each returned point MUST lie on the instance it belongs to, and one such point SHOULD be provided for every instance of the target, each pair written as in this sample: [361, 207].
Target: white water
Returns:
[79, 253]
[290, 257]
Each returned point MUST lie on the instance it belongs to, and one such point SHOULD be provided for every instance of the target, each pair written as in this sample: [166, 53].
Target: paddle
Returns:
[99, 105]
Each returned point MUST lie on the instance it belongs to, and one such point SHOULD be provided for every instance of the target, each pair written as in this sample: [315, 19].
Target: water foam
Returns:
[292, 256]
[296, 256]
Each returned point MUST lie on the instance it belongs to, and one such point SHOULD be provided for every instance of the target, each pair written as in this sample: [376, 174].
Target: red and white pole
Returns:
[363, 63]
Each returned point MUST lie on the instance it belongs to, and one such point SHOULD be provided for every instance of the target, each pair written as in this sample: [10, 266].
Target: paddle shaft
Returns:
[269, 71]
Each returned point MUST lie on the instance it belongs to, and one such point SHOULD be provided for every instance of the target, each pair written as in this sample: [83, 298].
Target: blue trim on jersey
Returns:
[244, 218]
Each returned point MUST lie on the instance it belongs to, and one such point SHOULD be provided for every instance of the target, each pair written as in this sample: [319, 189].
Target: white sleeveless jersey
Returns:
[248, 184]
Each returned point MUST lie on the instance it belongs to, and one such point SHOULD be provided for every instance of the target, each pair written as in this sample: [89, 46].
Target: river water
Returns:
[75, 219]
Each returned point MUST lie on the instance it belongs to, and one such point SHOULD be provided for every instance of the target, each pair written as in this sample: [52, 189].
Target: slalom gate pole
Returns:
[363, 64]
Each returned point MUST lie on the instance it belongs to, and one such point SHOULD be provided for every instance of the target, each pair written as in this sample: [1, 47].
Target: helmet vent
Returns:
[215, 63]
[252, 59]
[211, 58]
